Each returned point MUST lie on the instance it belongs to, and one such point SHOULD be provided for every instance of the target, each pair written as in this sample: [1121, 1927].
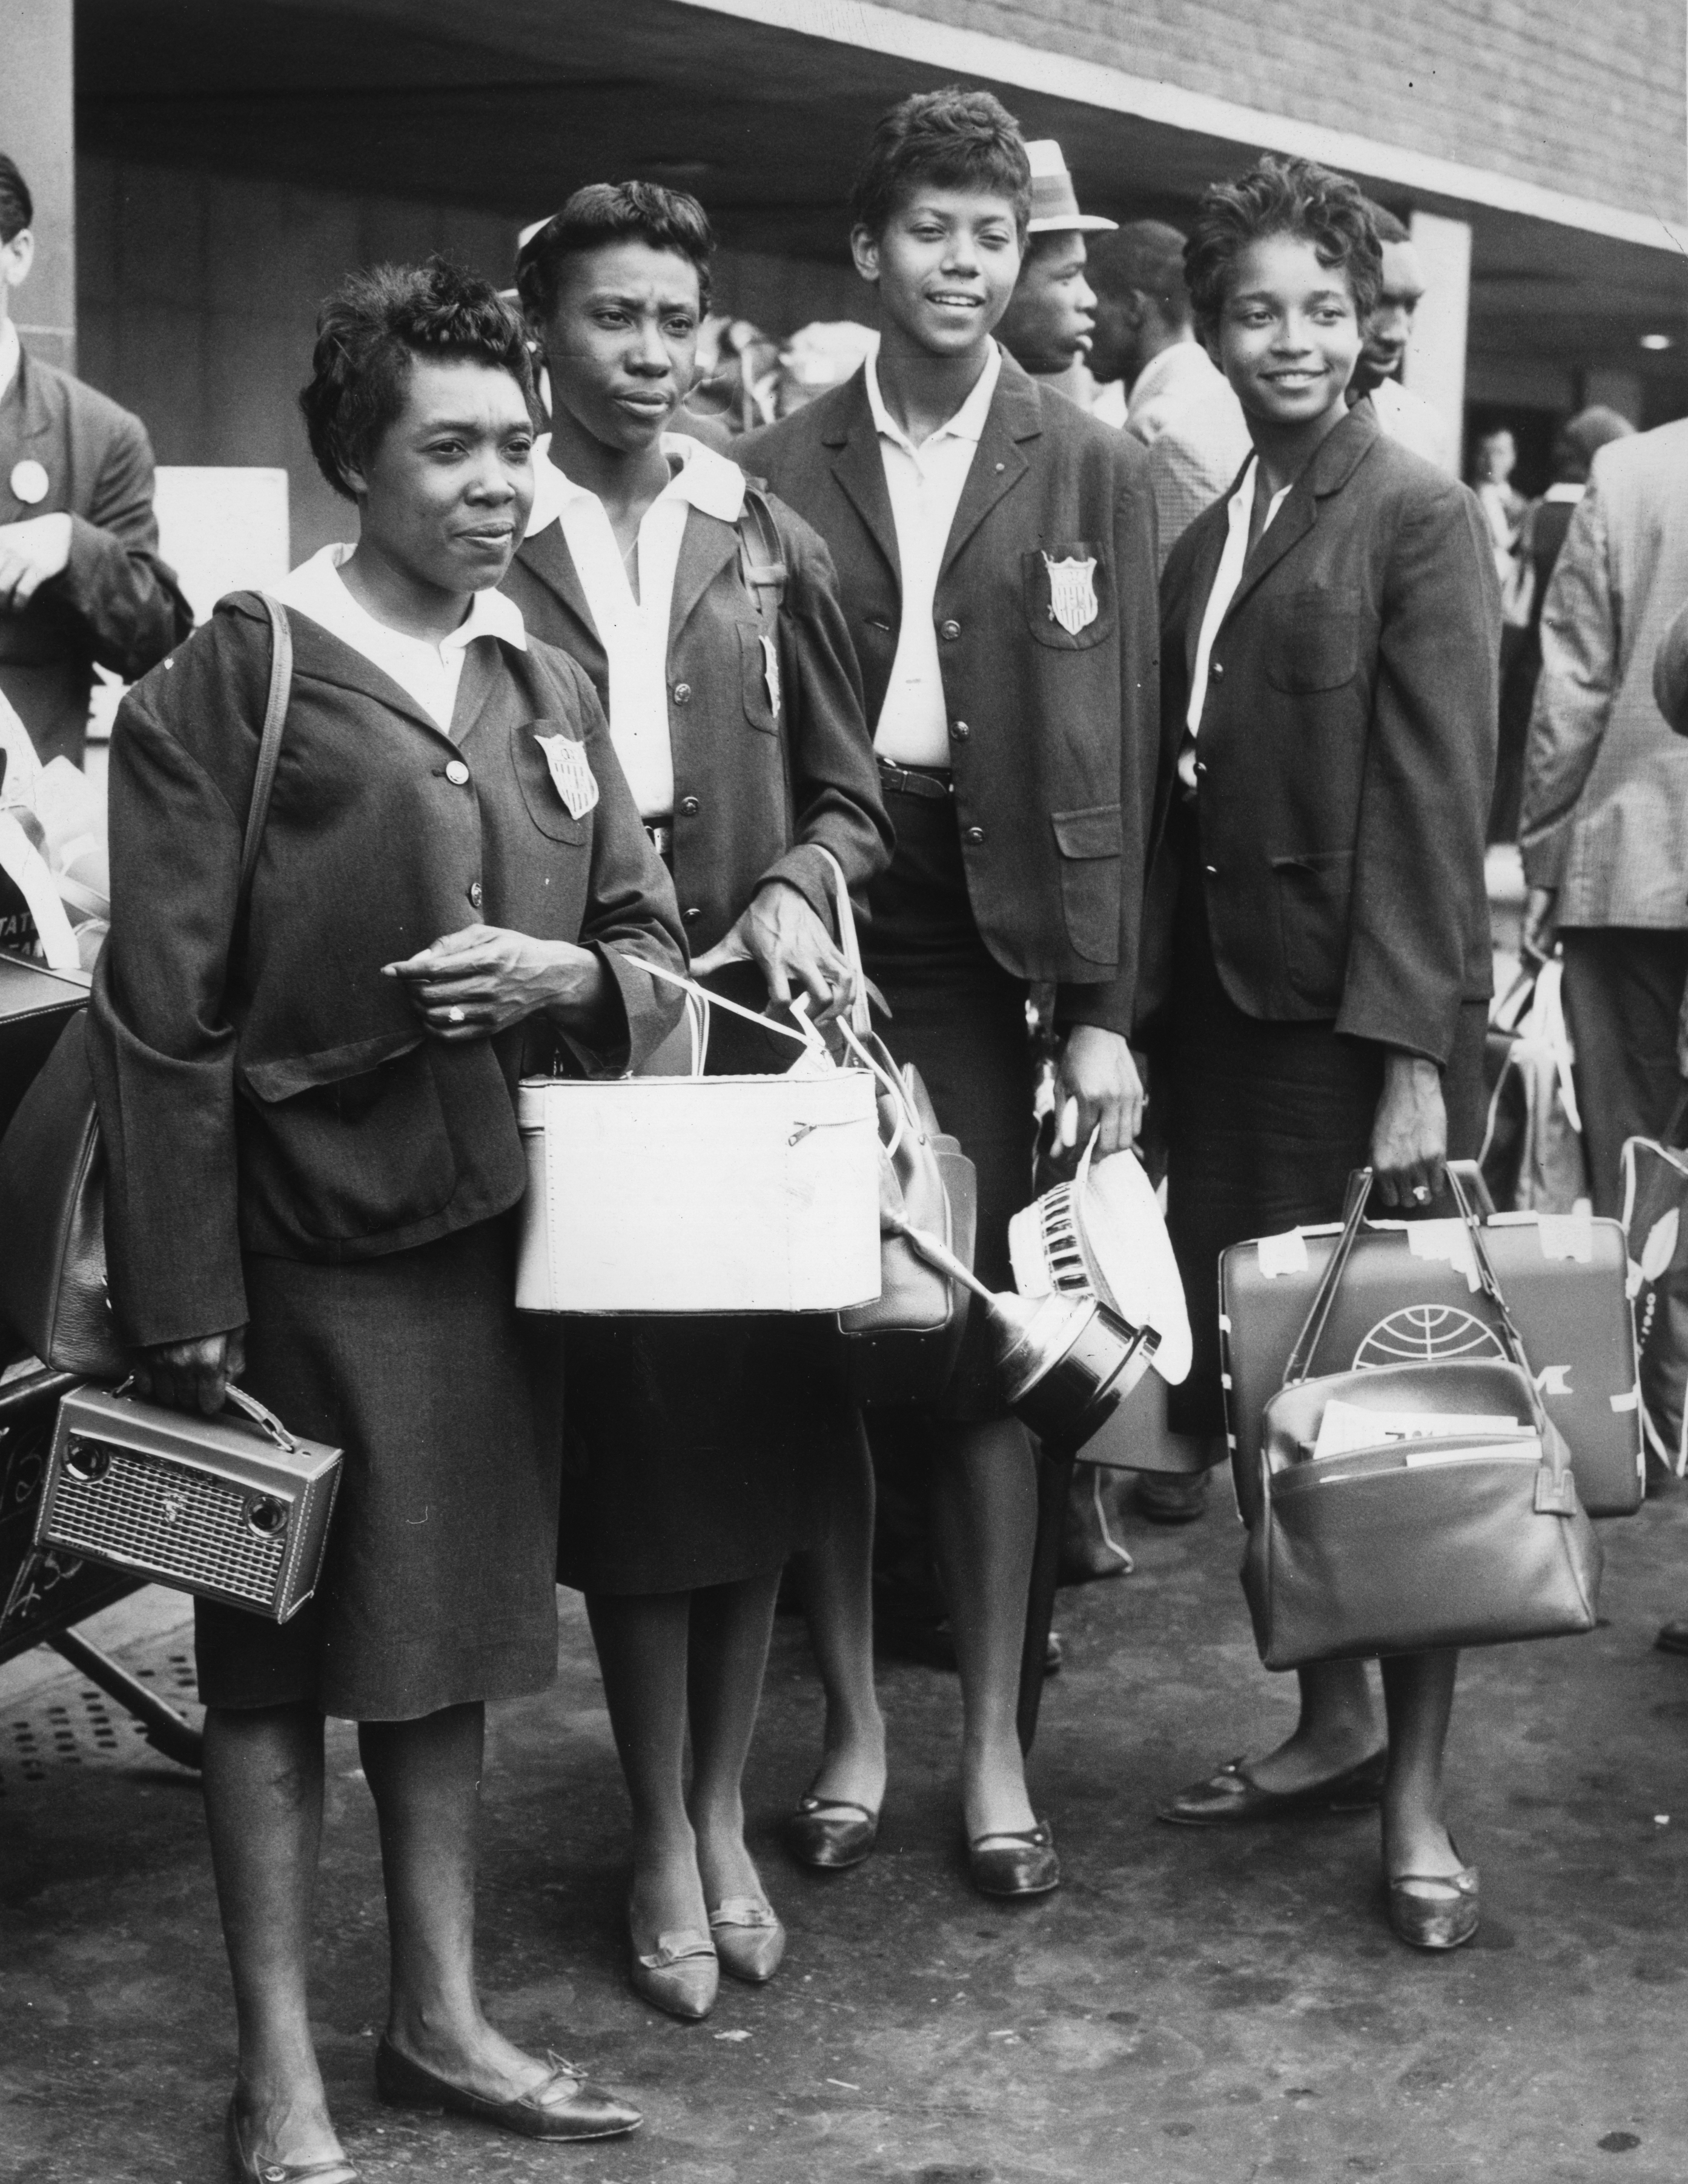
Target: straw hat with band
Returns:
[1055, 205]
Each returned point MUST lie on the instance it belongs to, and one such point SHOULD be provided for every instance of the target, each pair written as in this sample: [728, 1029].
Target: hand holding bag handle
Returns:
[53, 1285]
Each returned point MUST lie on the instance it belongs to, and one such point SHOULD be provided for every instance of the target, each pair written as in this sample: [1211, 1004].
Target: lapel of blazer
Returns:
[1199, 589]
[546, 556]
[1015, 414]
[706, 546]
[330, 659]
[860, 470]
[1335, 459]
[38, 419]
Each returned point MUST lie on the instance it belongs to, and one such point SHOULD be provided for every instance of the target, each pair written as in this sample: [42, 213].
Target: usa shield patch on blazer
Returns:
[1073, 592]
[572, 774]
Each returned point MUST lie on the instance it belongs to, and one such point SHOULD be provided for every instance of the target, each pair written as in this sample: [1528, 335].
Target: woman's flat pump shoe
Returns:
[748, 1938]
[1019, 1862]
[682, 1975]
[1228, 1796]
[1434, 1910]
[567, 2105]
[252, 2168]
[831, 1833]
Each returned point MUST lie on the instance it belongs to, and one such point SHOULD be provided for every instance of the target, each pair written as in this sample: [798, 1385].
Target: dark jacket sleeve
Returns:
[125, 597]
[1418, 883]
[836, 800]
[631, 916]
[1112, 1004]
[162, 1048]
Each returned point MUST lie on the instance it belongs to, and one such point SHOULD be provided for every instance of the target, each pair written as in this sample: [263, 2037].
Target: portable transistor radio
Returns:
[234, 1511]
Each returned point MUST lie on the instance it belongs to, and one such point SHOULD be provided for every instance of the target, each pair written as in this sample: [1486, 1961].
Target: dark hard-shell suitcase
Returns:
[1407, 1299]
[35, 1006]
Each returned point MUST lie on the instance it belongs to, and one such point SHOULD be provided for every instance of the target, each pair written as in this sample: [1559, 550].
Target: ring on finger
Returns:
[457, 1015]
[1420, 1193]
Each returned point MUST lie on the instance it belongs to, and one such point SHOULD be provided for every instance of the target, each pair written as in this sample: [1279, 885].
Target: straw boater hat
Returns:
[1102, 1235]
[1054, 206]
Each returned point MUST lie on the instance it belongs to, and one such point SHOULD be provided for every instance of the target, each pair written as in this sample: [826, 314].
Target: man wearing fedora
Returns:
[1051, 315]
[81, 581]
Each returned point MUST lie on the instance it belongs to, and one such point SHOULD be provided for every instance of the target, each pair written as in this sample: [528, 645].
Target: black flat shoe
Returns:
[251, 2168]
[831, 1833]
[589, 2112]
[1014, 1862]
[1673, 1638]
[1229, 1796]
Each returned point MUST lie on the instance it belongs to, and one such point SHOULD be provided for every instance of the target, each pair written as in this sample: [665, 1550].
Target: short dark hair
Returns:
[1389, 228]
[611, 212]
[367, 334]
[1146, 256]
[17, 206]
[962, 139]
[1282, 197]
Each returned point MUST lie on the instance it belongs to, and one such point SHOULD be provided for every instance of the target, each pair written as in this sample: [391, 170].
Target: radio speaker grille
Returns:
[189, 1527]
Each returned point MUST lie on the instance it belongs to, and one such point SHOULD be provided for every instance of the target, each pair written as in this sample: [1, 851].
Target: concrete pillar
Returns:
[37, 130]
[1435, 366]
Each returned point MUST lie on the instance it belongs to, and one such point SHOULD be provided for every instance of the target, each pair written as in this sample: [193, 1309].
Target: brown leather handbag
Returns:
[53, 1275]
[1405, 1536]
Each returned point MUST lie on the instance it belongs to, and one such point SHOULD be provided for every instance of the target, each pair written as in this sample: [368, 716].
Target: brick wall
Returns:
[1585, 96]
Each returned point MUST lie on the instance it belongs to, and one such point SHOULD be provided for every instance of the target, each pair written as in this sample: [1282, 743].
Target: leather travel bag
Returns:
[1442, 1512]
[53, 1272]
[35, 1005]
[1413, 1292]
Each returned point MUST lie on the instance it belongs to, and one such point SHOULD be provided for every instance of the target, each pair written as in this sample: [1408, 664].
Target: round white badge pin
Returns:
[28, 481]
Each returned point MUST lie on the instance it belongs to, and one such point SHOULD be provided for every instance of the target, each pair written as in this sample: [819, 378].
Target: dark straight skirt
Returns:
[960, 1018]
[438, 1587]
[1264, 1124]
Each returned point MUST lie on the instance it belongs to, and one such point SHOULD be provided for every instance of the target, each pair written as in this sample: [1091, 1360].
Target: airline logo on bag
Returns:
[1425, 1334]
[1073, 592]
[572, 774]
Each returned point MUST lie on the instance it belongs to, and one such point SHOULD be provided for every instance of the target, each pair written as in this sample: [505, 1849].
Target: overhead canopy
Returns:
[507, 105]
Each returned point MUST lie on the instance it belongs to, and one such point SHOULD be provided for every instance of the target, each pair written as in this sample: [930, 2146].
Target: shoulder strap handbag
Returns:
[761, 558]
[1414, 1536]
[52, 1285]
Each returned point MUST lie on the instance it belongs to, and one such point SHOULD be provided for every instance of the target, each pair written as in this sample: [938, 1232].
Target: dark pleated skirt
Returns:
[960, 1018]
[700, 1452]
[1265, 1123]
[438, 1587]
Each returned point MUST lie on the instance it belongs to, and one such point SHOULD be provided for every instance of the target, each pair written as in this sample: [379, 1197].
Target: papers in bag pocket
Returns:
[1347, 1427]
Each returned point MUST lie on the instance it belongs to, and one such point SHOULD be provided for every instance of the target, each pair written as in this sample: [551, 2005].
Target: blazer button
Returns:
[958, 731]
[693, 913]
[973, 834]
[456, 772]
[1212, 871]
[949, 631]
[689, 807]
[683, 693]
[1215, 670]
[475, 895]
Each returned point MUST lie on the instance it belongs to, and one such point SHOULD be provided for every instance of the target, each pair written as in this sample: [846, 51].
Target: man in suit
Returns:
[1404, 415]
[1052, 313]
[1604, 828]
[81, 581]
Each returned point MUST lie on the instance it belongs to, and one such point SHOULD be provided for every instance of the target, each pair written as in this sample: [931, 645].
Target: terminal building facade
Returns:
[205, 171]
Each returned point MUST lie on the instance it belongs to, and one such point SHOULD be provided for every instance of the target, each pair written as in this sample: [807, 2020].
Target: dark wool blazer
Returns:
[1053, 736]
[754, 794]
[261, 1085]
[1347, 752]
[116, 603]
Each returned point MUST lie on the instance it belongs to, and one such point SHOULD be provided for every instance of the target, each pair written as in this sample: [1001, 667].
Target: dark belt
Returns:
[661, 835]
[909, 781]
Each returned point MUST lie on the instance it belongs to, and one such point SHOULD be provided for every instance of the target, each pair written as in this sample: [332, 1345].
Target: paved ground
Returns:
[1190, 2009]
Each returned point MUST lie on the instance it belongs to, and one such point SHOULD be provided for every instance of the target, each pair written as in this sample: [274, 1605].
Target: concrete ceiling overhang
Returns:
[508, 106]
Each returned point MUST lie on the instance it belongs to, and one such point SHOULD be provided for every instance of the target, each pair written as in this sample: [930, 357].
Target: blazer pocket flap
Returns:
[1092, 832]
[285, 1079]
[1316, 644]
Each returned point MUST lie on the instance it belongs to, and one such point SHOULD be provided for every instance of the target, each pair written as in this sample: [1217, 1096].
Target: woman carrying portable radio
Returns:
[1318, 958]
[307, 1102]
[707, 616]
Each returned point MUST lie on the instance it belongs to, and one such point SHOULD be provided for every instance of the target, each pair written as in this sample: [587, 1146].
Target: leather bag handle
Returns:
[1324, 1297]
[270, 741]
[850, 940]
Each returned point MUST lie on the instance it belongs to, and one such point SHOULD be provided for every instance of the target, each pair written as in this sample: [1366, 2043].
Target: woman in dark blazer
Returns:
[1319, 953]
[708, 617]
[308, 1107]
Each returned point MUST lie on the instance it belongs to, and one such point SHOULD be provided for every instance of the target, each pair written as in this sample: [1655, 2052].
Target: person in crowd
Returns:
[1180, 405]
[81, 581]
[1404, 415]
[1503, 506]
[1318, 953]
[1604, 819]
[314, 1177]
[995, 553]
[706, 1445]
[1047, 326]
[1541, 535]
